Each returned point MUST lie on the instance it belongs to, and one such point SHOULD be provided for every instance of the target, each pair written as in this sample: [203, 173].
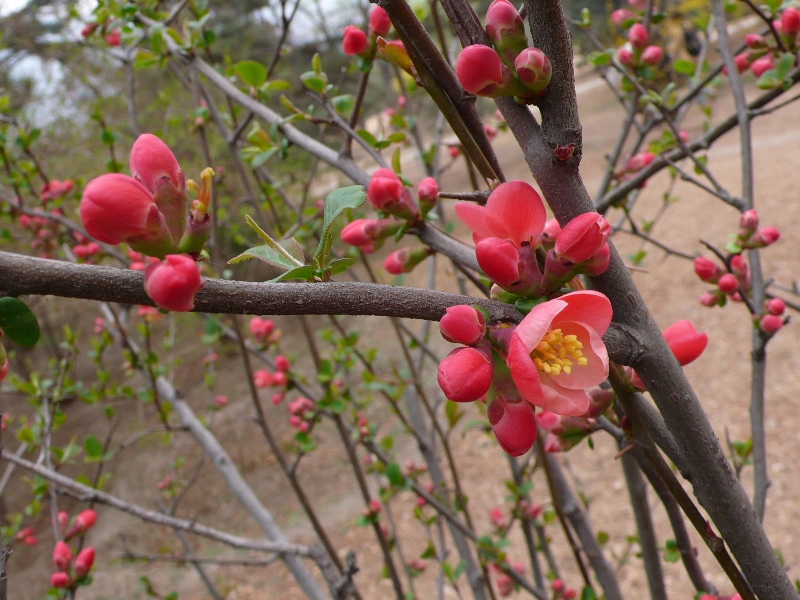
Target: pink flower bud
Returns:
[354, 41]
[282, 363]
[387, 193]
[481, 72]
[88, 29]
[463, 324]
[638, 36]
[63, 521]
[113, 38]
[775, 306]
[280, 379]
[513, 423]
[499, 259]
[550, 232]
[404, 260]
[83, 522]
[534, 69]
[651, 56]
[466, 374]
[84, 562]
[491, 132]
[59, 580]
[261, 328]
[749, 220]
[379, 23]
[116, 208]
[220, 401]
[706, 270]
[762, 65]
[625, 57]
[742, 61]
[770, 323]
[582, 237]
[505, 585]
[453, 151]
[686, 343]
[639, 161]
[637, 4]
[755, 41]
[395, 52]
[62, 556]
[600, 401]
[506, 29]
[728, 284]
[570, 593]
[739, 265]
[173, 282]
[277, 398]
[790, 21]
[428, 193]
[620, 16]
[766, 236]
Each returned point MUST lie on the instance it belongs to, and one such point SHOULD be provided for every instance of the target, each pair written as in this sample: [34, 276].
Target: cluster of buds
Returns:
[303, 410]
[564, 432]
[713, 597]
[761, 55]
[548, 360]
[373, 510]
[750, 235]
[638, 52]
[731, 283]
[387, 193]
[560, 590]
[510, 67]
[368, 235]
[356, 42]
[46, 232]
[685, 342]
[505, 584]
[508, 230]
[264, 379]
[25, 536]
[82, 523]
[264, 331]
[111, 36]
[528, 511]
[85, 249]
[140, 262]
[55, 189]
[70, 570]
[149, 212]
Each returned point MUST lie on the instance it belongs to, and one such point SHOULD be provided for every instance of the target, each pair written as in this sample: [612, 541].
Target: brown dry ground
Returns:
[671, 290]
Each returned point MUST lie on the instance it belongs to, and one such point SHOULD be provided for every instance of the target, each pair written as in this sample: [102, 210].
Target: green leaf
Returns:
[93, 447]
[429, 552]
[602, 537]
[367, 137]
[598, 59]
[337, 201]
[343, 104]
[298, 273]
[684, 67]
[587, 593]
[453, 413]
[272, 256]
[314, 82]
[251, 73]
[784, 65]
[340, 265]
[145, 59]
[18, 322]
[395, 475]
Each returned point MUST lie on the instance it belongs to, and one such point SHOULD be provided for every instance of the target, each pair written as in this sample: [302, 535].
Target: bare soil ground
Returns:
[671, 290]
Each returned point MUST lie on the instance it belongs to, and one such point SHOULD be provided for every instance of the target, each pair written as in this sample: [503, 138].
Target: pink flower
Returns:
[463, 324]
[173, 282]
[505, 29]
[379, 23]
[466, 373]
[262, 378]
[557, 351]
[354, 41]
[790, 22]
[638, 36]
[534, 69]
[261, 328]
[387, 193]
[282, 363]
[707, 270]
[62, 556]
[686, 343]
[513, 423]
[582, 237]
[513, 212]
[84, 562]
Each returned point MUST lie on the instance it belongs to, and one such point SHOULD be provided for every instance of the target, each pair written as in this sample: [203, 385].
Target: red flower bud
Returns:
[638, 36]
[262, 378]
[639, 161]
[379, 23]
[755, 41]
[652, 55]
[282, 363]
[506, 30]
[84, 562]
[404, 260]
[685, 341]
[620, 16]
[499, 259]
[790, 21]
[534, 69]
[625, 57]
[739, 265]
[749, 220]
[466, 373]
[83, 522]
[387, 193]
[762, 65]
[59, 580]
[354, 41]
[113, 38]
[706, 270]
[770, 323]
[481, 72]
[173, 282]
[582, 237]
[766, 237]
[775, 306]
[513, 423]
[261, 328]
[728, 284]
[550, 232]
[428, 193]
[62, 556]
[463, 324]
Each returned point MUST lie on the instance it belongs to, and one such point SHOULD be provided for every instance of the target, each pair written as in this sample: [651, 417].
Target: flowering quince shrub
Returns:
[314, 365]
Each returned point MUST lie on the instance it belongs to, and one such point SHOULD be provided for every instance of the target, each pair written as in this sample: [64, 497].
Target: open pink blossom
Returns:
[557, 351]
[513, 212]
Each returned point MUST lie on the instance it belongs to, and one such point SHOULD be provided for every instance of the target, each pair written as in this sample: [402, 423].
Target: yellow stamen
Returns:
[203, 191]
[558, 353]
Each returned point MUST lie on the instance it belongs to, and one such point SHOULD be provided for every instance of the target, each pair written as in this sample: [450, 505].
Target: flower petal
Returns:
[589, 307]
[474, 217]
[563, 401]
[596, 369]
[515, 212]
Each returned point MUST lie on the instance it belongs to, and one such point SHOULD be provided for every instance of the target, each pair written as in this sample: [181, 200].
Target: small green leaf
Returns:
[367, 137]
[273, 257]
[343, 104]
[314, 82]
[684, 67]
[18, 322]
[453, 413]
[145, 59]
[251, 73]
[316, 63]
[395, 475]
[602, 537]
[93, 447]
[598, 59]
[340, 265]
[784, 65]
[302, 273]
[337, 201]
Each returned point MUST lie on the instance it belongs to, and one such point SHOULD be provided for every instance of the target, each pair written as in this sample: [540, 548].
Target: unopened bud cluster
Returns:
[72, 570]
[510, 67]
[763, 52]
[637, 53]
